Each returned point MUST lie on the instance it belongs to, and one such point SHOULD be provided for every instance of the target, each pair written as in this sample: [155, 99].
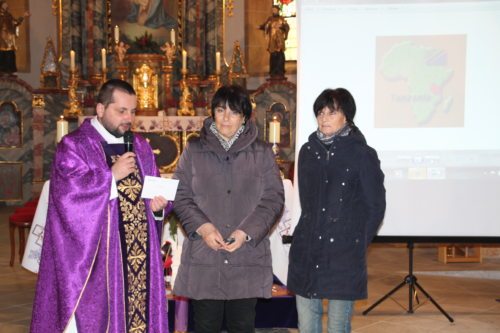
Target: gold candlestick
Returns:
[186, 100]
[74, 107]
[104, 76]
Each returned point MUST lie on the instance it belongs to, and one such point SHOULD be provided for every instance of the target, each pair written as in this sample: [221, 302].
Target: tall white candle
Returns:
[172, 36]
[274, 131]
[62, 129]
[103, 58]
[184, 60]
[72, 60]
[117, 34]
[217, 62]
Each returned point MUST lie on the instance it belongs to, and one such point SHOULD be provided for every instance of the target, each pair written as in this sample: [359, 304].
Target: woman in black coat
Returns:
[342, 197]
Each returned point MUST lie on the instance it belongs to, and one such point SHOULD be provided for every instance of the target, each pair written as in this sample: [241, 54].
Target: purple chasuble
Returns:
[81, 268]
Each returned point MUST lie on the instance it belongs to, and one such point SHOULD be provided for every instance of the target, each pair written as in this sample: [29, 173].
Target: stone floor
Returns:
[469, 292]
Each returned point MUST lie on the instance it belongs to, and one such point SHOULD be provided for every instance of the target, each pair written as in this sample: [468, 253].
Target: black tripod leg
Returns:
[434, 302]
[384, 297]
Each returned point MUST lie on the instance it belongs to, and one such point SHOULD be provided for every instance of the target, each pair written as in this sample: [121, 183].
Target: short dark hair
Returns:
[105, 95]
[236, 97]
[336, 99]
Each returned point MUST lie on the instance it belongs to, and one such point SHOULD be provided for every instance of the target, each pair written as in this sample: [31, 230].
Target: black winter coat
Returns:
[342, 197]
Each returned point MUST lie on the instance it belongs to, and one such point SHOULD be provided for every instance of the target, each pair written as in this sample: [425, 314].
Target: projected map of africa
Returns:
[419, 81]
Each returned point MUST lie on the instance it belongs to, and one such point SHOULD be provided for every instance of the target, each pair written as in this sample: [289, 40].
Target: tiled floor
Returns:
[472, 302]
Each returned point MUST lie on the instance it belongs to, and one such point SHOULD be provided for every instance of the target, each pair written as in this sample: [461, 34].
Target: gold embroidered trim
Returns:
[135, 235]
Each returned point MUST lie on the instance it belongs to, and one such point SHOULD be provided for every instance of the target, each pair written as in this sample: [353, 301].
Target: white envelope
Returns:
[154, 186]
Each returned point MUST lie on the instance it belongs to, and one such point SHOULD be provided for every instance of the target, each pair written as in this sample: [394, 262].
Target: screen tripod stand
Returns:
[411, 281]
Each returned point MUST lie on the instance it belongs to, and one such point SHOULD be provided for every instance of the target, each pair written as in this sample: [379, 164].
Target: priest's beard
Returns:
[115, 131]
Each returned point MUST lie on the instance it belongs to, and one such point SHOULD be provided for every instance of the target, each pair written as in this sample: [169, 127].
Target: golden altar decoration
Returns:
[144, 69]
[145, 83]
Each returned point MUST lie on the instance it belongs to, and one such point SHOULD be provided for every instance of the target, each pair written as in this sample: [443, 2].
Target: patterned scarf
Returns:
[226, 144]
[328, 140]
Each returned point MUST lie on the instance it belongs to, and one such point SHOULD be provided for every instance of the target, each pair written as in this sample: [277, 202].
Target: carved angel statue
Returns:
[169, 49]
[121, 49]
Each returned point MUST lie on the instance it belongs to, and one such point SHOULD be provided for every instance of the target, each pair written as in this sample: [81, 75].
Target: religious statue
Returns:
[169, 49]
[121, 49]
[276, 30]
[186, 101]
[9, 31]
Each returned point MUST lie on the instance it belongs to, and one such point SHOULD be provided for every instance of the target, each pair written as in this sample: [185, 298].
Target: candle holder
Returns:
[104, 72]
[74, 109]
[186, 100]
[218, 83]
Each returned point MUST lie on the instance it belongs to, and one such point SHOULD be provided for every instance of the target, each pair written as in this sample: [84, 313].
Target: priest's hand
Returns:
[124, 166]
[211, 236]
[158, 203]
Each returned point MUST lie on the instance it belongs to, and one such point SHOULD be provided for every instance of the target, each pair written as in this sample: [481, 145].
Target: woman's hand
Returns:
[239, 237]
[211, 236]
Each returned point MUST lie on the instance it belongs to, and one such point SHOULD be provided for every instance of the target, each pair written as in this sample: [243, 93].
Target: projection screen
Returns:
[426, 79]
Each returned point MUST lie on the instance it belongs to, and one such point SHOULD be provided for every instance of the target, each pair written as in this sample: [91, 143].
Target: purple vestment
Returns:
[81, 264]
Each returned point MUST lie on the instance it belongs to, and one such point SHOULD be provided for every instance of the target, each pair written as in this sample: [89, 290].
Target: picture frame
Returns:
[11, 125]
[11, 181]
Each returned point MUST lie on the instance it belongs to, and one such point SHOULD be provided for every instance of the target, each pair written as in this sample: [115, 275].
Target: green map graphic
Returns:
[425, 72]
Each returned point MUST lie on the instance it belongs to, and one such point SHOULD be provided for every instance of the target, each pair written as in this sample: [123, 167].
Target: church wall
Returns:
[42, 25]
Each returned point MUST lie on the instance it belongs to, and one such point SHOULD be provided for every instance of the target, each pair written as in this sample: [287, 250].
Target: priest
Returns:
[101, 268]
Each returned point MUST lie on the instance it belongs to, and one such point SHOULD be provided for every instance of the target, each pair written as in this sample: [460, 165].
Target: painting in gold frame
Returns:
[11, 181]
[17, 8]
[156, 17]
[11, 125]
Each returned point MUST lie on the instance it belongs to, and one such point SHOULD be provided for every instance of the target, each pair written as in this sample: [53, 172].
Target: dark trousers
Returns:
[239, 315]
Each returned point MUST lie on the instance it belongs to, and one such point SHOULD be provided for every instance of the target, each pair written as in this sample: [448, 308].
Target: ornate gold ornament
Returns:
[145, 82]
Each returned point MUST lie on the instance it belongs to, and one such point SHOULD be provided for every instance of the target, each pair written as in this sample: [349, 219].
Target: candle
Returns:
[172, 36]
[117, 34]
[217, 62]
[103, 58]
[184, 61]
[274, 131]
[72, 60]
[62, 129]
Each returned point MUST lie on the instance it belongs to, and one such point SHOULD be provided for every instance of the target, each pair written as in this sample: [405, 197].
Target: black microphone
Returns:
[128, 139]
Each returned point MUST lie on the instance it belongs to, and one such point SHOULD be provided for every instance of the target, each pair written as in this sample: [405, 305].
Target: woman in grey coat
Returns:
[229, 197]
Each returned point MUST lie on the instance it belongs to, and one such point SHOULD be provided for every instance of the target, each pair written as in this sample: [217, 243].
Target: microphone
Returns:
[128, 139]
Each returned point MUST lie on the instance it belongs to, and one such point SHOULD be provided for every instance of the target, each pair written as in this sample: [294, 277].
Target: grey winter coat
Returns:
[342, 197]
[237, 189]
